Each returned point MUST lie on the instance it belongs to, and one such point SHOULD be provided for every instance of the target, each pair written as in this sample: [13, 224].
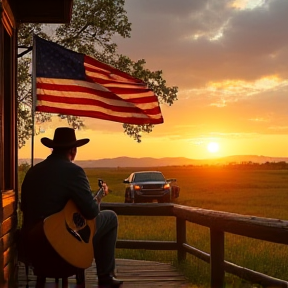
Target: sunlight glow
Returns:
[213, 147]
[229, 91]
[247, 4]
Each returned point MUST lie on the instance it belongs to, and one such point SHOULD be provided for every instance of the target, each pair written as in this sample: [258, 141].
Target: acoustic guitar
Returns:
[71, 235]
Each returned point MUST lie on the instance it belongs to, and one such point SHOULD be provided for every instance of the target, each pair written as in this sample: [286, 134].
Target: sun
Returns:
[213, 147]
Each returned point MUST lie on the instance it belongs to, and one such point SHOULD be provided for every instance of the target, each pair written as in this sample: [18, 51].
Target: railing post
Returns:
[181, 238]
[217, 258]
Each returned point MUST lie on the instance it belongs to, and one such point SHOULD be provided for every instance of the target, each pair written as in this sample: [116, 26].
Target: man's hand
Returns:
[105, 189]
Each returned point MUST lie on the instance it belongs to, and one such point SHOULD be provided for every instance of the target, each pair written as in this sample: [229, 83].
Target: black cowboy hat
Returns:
[64, 137]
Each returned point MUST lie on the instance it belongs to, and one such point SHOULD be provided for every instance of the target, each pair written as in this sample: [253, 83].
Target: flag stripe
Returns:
[97, 65]
[107, 78]
[91, 88]
[87, 101]
[131, 119]
[141, 104]
[93, 108]
[72, 85]
[94, 94]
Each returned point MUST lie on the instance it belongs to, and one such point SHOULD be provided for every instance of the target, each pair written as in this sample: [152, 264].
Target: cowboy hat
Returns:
[64, 137]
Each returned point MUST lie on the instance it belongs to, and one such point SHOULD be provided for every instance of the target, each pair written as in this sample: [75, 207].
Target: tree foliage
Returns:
[91, 31]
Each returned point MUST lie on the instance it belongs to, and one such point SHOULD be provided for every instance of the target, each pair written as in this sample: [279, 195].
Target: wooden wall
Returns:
[12, 12]
[8, 258]
[8, 147]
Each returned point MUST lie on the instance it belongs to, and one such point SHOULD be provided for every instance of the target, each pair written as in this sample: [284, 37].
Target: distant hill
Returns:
[167, 161]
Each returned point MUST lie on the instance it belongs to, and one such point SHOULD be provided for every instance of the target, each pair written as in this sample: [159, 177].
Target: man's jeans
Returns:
[104, 242]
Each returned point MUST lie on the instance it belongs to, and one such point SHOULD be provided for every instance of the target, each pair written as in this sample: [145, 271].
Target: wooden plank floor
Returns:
[134, 273]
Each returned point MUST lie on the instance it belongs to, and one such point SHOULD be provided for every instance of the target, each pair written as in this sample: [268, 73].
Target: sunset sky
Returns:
[229, 60]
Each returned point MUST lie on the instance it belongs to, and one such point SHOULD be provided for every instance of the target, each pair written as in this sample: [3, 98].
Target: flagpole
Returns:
[33, 98]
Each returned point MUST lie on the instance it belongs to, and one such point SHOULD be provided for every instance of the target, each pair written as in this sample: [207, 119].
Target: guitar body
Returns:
[71, 235]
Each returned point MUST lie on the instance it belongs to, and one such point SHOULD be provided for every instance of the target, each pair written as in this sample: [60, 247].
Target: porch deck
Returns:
[134, 273]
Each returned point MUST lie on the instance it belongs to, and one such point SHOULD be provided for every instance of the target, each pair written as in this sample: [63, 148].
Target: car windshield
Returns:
[139, 177]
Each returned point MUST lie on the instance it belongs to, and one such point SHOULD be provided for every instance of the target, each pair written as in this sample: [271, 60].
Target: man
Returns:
[46, 189]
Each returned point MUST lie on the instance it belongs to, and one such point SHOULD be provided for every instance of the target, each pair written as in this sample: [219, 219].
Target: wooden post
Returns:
[181, 238]
[217, 258]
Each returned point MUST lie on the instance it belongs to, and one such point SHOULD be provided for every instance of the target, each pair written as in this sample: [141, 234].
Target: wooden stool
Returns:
[41, 280]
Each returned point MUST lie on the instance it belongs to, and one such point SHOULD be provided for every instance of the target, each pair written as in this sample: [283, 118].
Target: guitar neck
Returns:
[99, 195]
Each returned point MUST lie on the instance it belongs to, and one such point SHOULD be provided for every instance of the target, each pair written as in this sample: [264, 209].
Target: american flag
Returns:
[72, 83]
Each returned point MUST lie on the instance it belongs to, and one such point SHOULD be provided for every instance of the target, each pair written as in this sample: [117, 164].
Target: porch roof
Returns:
[35, 11]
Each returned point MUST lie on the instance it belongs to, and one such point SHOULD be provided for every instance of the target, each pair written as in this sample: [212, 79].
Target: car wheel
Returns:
[128, 196]
[137, 199]
[165, 199]
[175, 191]
[128, 200]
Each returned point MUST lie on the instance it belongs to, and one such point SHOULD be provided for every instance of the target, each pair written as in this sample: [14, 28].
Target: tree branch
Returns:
[24, 52]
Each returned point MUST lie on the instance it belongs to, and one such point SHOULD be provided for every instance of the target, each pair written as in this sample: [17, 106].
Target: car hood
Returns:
[149, 182]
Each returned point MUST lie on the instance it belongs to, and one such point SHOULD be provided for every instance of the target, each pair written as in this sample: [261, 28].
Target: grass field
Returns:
[261, 193]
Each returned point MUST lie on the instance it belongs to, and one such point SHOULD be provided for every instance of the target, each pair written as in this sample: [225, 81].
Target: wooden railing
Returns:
[272, 230]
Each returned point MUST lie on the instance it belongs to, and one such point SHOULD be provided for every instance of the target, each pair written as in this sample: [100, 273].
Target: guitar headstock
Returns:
[101, 192]
[100, 183]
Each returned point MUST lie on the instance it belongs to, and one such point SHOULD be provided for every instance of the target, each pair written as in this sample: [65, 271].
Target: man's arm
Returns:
[81, 194]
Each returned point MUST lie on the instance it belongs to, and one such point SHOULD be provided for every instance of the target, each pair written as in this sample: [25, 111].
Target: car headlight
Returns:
[166, 186]
[137, 187]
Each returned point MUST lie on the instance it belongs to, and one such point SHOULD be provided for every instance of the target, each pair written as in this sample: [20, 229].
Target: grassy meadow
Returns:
[262, 193]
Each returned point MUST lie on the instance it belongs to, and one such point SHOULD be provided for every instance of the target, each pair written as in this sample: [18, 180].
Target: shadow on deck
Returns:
[134, 273]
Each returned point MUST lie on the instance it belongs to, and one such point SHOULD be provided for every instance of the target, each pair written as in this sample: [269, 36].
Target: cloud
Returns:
[228, 58]
[167, 7]
[177, 37]
[193, 116]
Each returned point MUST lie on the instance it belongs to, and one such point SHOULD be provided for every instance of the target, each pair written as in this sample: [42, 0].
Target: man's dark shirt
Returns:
[49, 185]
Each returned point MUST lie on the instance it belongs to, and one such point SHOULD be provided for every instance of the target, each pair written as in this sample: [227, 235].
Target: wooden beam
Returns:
[217, 258]
[239, 271]
[181, 238]
[8, 204]
[273, 230]
[254, 276]
[8, 224]
[140, 209]
[149, 245]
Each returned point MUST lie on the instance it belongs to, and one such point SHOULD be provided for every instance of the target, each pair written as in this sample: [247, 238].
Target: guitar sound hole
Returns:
[78, 220]
[83, 234]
